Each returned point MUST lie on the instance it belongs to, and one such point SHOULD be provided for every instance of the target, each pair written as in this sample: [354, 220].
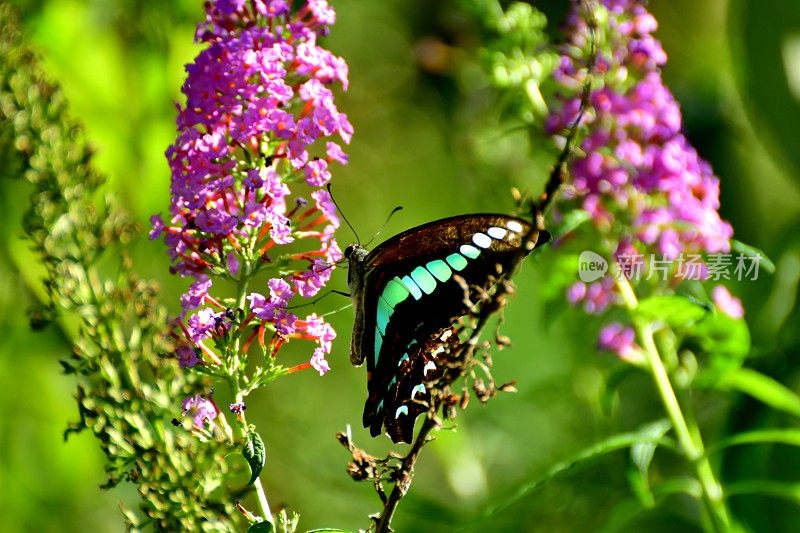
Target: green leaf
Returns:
[261, 527]
[625, 510]
[613, 382]
[562, 272]
[674, 310]
[764, 389]
[781, 489]
[771, 89]
[678, 485]
[790, 437]
[571, 221]
[604, 447]
[641, 456]
[255, 454]
[330, 529]
[751, 251]
[725, 340]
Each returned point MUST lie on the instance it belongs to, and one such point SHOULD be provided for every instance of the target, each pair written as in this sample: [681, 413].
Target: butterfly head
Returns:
[355, 254]
[351, 248]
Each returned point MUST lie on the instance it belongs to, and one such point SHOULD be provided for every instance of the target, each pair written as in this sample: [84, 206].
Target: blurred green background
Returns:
[735, 68]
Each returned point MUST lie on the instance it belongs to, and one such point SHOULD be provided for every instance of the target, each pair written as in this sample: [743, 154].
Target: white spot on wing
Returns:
[482, 240]
[419, 389]
[514, 226]
[496, 233]
[430, 365]
[402, 410]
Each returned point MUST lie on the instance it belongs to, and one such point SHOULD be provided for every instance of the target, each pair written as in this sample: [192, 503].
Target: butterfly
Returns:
[406, 297]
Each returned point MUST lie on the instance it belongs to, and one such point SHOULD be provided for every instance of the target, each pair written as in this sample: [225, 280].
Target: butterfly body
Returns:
[407, 293]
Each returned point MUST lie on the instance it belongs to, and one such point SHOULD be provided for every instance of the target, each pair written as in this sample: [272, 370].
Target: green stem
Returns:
[688, 437]
[262, 502]
[236, 384]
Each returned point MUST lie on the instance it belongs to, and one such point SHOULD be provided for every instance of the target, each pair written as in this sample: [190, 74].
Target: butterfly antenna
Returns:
[348, 306]
[395, 210]
[358, 240]
[319, 299]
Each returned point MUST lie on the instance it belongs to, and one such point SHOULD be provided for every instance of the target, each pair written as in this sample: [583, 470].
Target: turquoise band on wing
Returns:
[378, 344]
[439, 269]
[412, 287]
[384, 312]
[457, 261]
[424, 279]
[395, 292]
[469, 251]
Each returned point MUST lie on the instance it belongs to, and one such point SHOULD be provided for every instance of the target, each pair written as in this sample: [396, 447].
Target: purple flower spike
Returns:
[186, 356]
[637, 176]
[259, 115]
[620, 340]
[319, 363]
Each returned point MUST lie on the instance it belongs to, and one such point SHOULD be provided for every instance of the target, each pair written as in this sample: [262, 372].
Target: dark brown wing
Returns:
[431, 239]
[403, 361]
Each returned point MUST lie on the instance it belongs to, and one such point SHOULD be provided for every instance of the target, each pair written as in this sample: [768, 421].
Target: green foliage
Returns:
[762, 388]
[127, 391]
[255, 454]
[261, 527]
[604, 447]
[673, 310]
[764, 39]
[411, 141]
[515, 55]
[640, 459]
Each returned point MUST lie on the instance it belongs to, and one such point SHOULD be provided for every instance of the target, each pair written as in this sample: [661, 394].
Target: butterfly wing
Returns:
[410, 298]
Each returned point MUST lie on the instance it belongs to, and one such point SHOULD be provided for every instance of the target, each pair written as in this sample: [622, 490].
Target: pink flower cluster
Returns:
[638, 177]
[259, 117]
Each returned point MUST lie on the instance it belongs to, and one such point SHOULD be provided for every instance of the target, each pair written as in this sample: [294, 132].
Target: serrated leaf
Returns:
[255, 454]
[674, 310]
[261, 527]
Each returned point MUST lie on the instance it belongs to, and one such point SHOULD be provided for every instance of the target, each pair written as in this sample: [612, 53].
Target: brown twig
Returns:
[560, 173]
[404, 474]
